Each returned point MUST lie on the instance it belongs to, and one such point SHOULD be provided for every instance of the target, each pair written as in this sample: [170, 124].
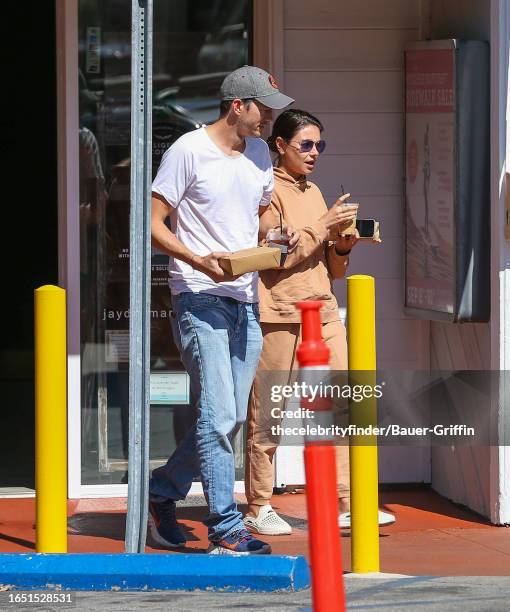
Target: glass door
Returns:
[196, 43]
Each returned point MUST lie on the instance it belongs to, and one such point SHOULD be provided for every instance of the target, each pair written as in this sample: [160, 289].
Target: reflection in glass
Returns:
[196, 43]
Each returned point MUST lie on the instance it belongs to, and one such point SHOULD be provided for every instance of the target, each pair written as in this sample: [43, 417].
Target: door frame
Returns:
[69, 222]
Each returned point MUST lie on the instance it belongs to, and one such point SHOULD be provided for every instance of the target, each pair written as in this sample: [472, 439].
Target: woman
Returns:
[320, 255]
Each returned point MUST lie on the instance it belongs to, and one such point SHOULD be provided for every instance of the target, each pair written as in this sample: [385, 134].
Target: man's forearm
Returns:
[166, 241]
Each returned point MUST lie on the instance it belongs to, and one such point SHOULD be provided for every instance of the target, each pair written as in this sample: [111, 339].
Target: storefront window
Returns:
[196, 43]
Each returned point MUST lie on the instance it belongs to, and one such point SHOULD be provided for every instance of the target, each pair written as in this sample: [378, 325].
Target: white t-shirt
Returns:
[217, 199]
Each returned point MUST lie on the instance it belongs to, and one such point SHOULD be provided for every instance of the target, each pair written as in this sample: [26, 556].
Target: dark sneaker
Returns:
[163, 525]
[240, 543]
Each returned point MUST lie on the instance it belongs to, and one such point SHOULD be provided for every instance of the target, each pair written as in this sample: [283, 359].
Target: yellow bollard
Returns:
[50, 419]
[363, 450]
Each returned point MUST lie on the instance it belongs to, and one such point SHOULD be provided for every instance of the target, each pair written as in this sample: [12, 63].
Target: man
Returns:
[215, 184]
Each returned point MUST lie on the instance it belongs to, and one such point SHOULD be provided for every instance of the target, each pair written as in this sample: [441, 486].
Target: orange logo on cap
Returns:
[272, 81]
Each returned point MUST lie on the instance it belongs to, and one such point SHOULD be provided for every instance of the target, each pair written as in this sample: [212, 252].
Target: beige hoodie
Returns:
[310, 268]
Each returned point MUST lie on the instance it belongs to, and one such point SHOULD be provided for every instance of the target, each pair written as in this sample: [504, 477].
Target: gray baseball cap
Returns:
[253, 82]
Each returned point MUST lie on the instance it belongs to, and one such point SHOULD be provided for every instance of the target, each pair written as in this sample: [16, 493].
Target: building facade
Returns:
[341, 60]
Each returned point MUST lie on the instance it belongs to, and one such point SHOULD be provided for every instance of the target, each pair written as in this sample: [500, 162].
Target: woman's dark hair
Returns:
[290, 122]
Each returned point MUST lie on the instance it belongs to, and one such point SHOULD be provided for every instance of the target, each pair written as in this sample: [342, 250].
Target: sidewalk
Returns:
[422, 594]
[432, 537]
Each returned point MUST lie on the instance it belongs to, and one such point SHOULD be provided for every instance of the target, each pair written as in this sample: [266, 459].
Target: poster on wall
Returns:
[430, 134]
[447, 202]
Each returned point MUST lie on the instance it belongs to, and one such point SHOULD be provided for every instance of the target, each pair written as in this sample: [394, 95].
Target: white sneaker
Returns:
[385, 518]
[267, 522]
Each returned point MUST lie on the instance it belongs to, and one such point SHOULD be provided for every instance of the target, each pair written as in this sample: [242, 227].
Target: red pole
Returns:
[328, 593]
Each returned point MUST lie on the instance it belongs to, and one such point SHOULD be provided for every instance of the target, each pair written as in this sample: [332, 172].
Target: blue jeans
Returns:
[219, 340]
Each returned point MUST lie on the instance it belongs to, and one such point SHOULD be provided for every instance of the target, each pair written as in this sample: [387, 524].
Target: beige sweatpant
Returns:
[279, 354]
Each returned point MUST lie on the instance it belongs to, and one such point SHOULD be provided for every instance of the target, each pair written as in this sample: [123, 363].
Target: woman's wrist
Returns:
[342, 253]
[195, 261]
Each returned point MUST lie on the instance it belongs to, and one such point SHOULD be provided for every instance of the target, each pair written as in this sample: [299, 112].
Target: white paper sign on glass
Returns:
[169, 388]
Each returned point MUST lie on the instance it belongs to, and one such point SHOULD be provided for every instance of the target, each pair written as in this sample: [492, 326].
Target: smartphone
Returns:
[365, 227]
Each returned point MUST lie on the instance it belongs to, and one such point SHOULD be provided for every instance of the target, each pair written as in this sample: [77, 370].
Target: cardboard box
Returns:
[250, 260]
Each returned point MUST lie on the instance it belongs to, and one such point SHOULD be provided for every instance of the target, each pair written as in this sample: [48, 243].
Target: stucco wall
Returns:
[342, 60]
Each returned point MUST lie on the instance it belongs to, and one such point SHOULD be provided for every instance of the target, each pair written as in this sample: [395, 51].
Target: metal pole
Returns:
[50, 419]
[139, 274]
[363, 449]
